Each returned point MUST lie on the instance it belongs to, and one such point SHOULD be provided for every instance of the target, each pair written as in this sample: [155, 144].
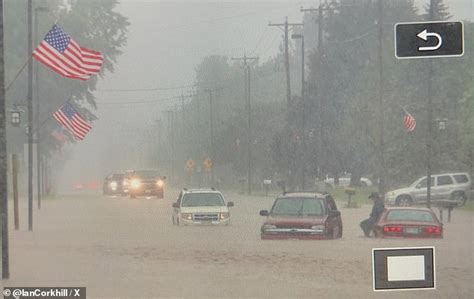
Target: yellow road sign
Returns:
[207, 164]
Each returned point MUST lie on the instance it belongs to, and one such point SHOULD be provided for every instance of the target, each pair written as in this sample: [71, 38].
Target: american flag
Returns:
[72, 121]
[409, 122]
[60, 135]
[64, 56]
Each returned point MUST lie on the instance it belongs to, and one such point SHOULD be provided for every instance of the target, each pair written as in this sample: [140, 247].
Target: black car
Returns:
[146, 183]
[113, 184]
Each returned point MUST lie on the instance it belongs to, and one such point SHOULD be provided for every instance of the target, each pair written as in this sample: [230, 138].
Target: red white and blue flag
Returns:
[409, 122]
[64, 56]
[60, 135]
[68, 117]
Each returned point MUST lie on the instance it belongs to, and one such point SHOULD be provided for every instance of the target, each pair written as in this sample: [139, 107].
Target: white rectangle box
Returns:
[405, 268]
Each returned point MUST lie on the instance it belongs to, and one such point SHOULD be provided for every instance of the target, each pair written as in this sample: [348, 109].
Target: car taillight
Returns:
[392, 229]
[433, 230]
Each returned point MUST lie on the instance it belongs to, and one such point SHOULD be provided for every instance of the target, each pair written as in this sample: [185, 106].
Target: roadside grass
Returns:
[469, 206]
[358, 199]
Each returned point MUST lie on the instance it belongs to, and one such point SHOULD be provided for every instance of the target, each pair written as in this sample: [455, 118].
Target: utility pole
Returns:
[169, 118]
[320, 10]
[3, 158]
[290, 163]
[249, 118]
[16, 216]
[429, 141]
[30, 116]
[37, 115]
[286, 26]
[381, 105]
[211, 130]
[302, 157]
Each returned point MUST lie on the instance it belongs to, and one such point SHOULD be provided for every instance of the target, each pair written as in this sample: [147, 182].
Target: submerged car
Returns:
[447, 187]
[146, 183]
[201, 207]
[302, 215]
[113, 184]
[408, 222]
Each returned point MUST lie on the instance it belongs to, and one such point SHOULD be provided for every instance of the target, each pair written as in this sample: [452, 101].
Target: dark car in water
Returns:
[407, 222]
[113, 184]
[302, 215]
[146, 183]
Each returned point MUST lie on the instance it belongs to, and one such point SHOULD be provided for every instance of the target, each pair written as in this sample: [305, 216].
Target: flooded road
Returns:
[118, 247]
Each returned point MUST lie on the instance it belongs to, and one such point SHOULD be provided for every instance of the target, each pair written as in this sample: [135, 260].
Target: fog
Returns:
[166, 41]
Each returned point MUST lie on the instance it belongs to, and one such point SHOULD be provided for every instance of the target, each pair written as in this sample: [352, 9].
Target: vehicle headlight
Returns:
[224, 215]
[269, 226]
[113, 185]
[187, 216]
[135, 183]
[125, 182]
[319, 228]
[160, 183]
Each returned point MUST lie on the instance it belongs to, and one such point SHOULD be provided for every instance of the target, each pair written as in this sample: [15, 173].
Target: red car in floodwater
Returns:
[407, 222]
[302, 215]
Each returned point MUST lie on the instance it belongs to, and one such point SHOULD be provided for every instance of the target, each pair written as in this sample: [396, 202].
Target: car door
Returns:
[334, 216]
[443, 188]
[177, 209]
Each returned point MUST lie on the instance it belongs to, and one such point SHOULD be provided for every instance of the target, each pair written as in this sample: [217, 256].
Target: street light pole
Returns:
[249, 118]
[39, 163]
[303, 118]
[211, 131]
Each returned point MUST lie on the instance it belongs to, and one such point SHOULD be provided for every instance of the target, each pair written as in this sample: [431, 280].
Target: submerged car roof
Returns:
[200, 190]
[299, 194]
[409, 208]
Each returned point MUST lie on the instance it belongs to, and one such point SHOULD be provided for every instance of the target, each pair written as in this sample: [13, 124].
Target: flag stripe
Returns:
[409, 122]
[66, 64]
[93, 56]
[51, 58]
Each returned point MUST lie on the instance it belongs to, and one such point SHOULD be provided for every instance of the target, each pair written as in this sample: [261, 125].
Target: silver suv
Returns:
[453, 187]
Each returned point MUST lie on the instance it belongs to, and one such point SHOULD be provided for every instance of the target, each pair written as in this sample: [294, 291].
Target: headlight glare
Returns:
[135, 183]
[160, 183]
[113, 185]
[224, 215]
[187, 216]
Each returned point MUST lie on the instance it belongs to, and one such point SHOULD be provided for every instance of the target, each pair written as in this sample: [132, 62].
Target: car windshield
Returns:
[203, 200]
[146, 174]
[410, 215]
[298, 207]
[117, 176]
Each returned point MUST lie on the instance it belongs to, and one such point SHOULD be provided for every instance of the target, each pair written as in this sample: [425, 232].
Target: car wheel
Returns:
[459, 198]
[404, 201]
[172, 220]
[336, 232]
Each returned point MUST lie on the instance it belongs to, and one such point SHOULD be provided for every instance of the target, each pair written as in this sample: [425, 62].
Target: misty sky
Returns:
[166, 40]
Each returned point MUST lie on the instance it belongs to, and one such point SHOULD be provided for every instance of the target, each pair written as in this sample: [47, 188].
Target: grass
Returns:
[358, 199]
[469, 206]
